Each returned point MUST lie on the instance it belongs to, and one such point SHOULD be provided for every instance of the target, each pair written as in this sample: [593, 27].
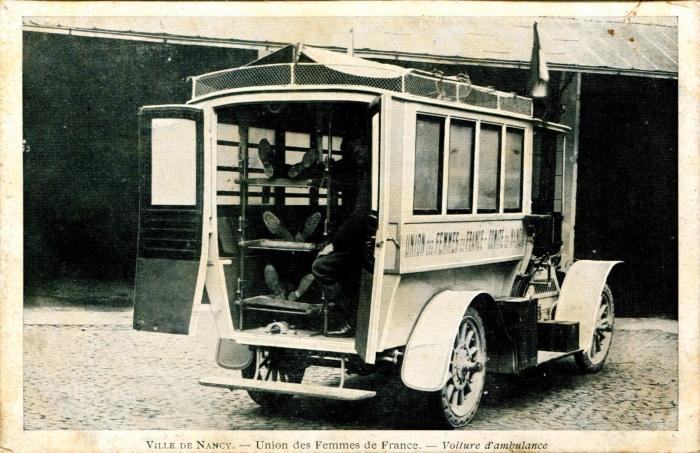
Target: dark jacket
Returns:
[354, 182]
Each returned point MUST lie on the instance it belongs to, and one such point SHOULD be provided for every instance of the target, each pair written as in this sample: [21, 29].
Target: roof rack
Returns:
[312, 66]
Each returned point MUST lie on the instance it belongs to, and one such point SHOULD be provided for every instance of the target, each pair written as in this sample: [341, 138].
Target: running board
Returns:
[549, 356]
[287, 388]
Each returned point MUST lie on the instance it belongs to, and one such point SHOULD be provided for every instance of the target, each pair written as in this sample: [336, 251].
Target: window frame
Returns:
[519, 209]
[478, 118]
[446, 183]
[499, 169]
[440, 160]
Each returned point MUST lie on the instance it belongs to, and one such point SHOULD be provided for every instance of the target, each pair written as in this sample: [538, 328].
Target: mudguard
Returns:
[580, 295]
[428, 352]
[233, 355]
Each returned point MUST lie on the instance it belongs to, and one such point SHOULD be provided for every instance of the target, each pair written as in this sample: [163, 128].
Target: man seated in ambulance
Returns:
[338, 264]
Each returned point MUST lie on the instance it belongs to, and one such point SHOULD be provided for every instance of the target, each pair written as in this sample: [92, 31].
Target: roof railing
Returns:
[419, 83]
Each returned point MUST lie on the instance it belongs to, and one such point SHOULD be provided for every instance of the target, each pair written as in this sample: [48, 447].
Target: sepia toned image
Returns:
[372, 232]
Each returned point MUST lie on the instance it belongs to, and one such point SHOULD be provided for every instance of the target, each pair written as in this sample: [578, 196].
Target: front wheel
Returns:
[459, 399]
[593, 359]
[274, 366]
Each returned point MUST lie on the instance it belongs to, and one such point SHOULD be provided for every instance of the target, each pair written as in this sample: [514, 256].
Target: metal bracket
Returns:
[398, 246]
[342, 371]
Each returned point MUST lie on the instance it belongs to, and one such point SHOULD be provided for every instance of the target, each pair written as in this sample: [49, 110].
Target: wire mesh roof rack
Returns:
[313, 67]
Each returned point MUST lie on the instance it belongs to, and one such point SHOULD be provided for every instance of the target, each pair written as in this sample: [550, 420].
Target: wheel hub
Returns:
[463, 366]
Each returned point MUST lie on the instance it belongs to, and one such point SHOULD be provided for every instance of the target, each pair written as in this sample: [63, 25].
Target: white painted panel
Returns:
[297, 139]
[336, 142]
[174, 162]
[375, 162]
[302, 190]
[297, 202]
[293, 157]
[255, 135]
[225, 181]
[228, 132]
[228, 200]
[429, 246]
[253, 200]
[227, 156]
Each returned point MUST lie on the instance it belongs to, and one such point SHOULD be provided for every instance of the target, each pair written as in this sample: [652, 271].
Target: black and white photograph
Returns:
[349, 227]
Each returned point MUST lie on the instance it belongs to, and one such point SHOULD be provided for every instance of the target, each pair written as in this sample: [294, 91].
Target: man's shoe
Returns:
[304, 285]
[309, 227]
[310, 158]
[267, 157]
[273, 282]
[274, 224]
[343, 330]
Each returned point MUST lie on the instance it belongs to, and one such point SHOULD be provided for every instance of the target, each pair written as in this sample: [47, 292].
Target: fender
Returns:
[580, 295]
[428, 352]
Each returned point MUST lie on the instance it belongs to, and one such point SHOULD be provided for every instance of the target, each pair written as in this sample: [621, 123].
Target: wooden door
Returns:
[170, 265]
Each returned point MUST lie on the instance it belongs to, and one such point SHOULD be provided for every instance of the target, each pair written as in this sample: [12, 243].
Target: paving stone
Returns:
[92, 371]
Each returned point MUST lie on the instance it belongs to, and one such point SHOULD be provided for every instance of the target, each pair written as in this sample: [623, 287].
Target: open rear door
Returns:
[368, 313]
[170, 265]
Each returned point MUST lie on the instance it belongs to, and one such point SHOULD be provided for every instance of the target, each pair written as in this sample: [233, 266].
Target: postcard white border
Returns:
[14, 438]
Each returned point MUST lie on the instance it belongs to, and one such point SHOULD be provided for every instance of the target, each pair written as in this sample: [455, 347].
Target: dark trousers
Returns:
[338, 275]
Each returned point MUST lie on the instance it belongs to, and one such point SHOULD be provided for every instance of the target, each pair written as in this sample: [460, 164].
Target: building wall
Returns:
[81, 99]
[627, 202]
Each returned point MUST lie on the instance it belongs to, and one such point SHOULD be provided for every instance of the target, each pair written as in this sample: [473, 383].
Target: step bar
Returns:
[287, 388]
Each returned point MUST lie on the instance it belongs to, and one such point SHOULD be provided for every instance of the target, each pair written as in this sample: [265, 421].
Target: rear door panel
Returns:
[170, 262]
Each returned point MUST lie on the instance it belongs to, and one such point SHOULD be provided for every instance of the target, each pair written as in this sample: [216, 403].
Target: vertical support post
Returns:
[571, 173]
[243, 187]
[342, 370]
[324, 301]
[328, 178]
[329, 202]
[281, 152]
[351, 47]
[313, 145]
[318, 137]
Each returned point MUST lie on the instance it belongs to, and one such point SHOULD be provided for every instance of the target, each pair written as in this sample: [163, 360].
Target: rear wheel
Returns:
[274, 366]
[459, 399]
[593, 359]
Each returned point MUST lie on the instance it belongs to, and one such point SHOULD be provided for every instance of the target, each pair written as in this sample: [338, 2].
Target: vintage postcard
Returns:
[349, 226]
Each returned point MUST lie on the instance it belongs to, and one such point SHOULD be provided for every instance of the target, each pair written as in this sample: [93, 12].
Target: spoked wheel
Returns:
[274, 366]
[593, 359]
[459, 399]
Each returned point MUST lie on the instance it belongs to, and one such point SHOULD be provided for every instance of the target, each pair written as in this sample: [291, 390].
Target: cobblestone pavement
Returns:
[89, 370]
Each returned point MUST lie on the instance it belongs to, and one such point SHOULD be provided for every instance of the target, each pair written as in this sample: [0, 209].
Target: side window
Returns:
[427, 186]
[545, 172]
[513, 184]
[485, 158]
[174, 162]
[489, 165]
[460, 168]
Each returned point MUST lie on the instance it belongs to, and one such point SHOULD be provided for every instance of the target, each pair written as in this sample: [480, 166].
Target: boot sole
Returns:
[267, 157]
[306, 162]
[275, 226]
[273, 282]
[309, 226]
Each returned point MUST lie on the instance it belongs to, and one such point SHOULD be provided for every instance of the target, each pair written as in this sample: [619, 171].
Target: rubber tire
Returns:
[583, 361]
[273, 400]
[446, 417]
